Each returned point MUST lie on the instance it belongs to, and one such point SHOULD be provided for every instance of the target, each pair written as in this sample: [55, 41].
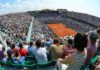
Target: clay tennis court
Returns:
[61, 30]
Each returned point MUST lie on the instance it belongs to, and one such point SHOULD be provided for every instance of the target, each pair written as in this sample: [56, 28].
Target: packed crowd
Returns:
[85, 17]
[80, 26]
[69, 52]
[19, 23]
[84, 27]
[49, 18]
[16, 26]
[42, 28]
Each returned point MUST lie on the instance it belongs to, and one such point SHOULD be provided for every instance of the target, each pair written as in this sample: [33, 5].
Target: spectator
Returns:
[10, 55]
[2, 55]
[22, 50]
[91, 49]
[76, 60]
[25, 45]
[98, 32]
[31, 49]
[17, 58]
[68, 49]
[1, 45]
[15, 50]
[56, 50]
[48, 43]
[40, 53]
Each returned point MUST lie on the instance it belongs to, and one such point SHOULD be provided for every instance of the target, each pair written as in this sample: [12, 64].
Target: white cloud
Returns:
[85, 6]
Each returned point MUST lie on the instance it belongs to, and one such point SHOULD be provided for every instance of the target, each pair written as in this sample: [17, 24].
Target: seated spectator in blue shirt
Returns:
[31, 49]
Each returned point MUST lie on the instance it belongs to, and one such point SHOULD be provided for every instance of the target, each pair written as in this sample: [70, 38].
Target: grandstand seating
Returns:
[16, 26]
[29, 64]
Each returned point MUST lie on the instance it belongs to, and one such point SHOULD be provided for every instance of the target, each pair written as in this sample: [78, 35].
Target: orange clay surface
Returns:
[61, 30]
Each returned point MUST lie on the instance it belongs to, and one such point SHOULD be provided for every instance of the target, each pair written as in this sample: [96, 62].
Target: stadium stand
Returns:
[47, 39]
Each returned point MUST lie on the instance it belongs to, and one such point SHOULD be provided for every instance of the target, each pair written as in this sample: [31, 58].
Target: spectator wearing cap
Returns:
[91, 49]
[97, 32]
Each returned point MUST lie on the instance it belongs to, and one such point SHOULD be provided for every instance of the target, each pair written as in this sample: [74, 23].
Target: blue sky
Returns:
[83, 6]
